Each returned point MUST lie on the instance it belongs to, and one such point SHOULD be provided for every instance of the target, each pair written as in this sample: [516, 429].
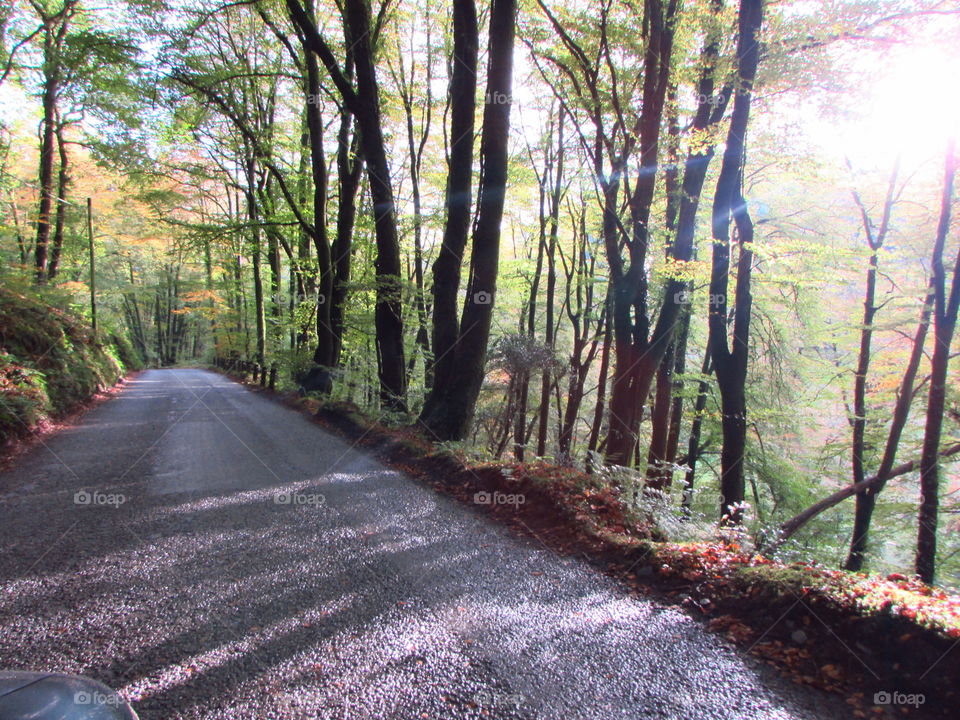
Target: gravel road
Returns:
[212, 554]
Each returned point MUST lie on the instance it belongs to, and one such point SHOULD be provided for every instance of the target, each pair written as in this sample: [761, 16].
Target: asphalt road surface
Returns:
[211, 554]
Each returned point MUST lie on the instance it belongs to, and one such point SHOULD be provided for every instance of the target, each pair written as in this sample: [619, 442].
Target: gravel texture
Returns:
[231, 559]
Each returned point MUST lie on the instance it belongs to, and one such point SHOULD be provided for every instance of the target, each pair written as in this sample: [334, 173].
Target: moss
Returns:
[777, 578]
[122, 350]
[50, 362]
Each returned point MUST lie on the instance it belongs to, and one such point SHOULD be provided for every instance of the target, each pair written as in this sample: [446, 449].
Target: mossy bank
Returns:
[50, 362]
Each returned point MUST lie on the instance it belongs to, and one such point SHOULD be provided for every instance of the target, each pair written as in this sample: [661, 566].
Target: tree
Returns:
[451, 404]
[866, 500]
[730, 364]
[56, 24]
[458, 202]
[946, 304]
[683, 202]
[364, 102]
[79, 69]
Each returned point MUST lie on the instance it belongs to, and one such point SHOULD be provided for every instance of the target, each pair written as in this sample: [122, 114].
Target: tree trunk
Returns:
[867, 498]
[388, 311]
[790, 527]
[522, 384]
[51, 79]
[865, 501]
[696, 428]
[63, 179]
[305, 283]
[349, 170]
[637, 355]
[676, 411]
[945, 321]
[446, 268]
[451, 417]
[731, 364]
[859, 421]
[364, 103]
[325, 352]
[415, 149]
[639, 360]
[547, 379]
[255, 253]
[579, 370]
[658, 471]
[597, 425]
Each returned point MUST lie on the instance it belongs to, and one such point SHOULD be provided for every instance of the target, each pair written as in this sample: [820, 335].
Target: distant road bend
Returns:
[212, 554]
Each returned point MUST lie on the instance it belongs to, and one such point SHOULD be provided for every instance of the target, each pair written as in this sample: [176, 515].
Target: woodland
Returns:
[705, 249]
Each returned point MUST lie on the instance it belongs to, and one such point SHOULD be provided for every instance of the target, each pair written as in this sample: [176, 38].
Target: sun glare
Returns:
[911, 109]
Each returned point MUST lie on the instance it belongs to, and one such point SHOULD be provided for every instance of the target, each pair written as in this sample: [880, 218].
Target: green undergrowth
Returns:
[50, 362]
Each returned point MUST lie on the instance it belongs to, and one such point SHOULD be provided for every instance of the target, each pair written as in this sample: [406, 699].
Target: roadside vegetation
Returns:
[50, 361]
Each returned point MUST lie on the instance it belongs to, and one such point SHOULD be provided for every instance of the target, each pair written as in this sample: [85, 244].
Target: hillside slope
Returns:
[50, 362]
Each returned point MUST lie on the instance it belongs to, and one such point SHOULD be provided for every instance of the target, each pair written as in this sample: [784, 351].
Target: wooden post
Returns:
[93, 269]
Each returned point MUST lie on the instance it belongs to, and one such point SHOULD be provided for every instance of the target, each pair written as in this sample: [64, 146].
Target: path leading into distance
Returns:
[211, 554]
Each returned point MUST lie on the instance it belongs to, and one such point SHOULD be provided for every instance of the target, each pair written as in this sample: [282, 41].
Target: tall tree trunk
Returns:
[522, 384]
[636, 357]
[867, 496]
[415, 148]
[22, 248]
[523, 391]
[520, 429]
[679, 368]
[302, 282]
[364, 103]
[446, 268]
[388, 311]
[946, 306]
[210, 303]
[349, 171]
[731, 364]
[51, 87]
[579, 370]
[451, 417]
[63, 179]
[255, 255]
[276, 297]
[324, 354]
[658, 471]
[547, 377]
[597, 425]
[866, 500]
